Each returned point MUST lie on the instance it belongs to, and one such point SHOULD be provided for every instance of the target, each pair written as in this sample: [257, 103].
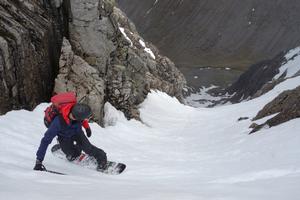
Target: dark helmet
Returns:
[81, 111]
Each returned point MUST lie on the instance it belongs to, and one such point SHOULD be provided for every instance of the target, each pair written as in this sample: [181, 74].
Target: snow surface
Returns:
[292, 67]
[202, 98]
[178, 152]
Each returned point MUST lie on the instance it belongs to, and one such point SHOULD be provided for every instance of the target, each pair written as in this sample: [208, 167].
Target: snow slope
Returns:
[178, 152]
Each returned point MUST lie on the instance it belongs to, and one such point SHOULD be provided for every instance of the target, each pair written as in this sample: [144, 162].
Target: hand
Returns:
[88, 132]
[39, 166]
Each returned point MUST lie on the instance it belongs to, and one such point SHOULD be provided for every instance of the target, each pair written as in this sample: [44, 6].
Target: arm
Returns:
[47, 139]
[85, 124]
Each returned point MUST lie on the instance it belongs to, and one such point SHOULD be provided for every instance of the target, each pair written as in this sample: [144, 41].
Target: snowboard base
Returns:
[87, 161]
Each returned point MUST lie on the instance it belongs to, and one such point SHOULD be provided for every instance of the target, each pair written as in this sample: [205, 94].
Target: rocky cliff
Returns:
[103, 58]
[113, 62]
[226, 33]
[263, 77]
[30, 39]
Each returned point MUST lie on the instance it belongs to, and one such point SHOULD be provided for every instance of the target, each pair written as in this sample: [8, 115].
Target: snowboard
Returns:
[87, 161]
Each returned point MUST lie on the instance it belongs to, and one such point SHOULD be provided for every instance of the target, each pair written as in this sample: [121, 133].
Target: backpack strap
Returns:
[62, 121]
[65, 111]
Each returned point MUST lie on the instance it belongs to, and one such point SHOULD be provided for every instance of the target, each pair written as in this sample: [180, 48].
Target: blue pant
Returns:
[73, 146]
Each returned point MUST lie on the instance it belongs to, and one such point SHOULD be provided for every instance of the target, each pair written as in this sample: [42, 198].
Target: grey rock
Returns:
[30, 40]
[286, 105]
[77, 75]
[110, 44]
[106, 59]
[243, 118]
[89, 36]
[257, 80]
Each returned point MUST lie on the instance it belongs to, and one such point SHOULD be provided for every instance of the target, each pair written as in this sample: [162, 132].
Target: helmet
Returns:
[81, 111]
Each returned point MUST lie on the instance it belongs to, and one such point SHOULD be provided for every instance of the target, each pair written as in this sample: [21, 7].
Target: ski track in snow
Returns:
[178, 152]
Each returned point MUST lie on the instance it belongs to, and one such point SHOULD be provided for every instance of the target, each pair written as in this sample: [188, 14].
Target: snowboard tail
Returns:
[54, 172]
[87, 161]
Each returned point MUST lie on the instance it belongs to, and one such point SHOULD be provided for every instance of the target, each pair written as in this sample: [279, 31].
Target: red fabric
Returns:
[65, 97]
[65, 111]
[64, 103]
[85, 124]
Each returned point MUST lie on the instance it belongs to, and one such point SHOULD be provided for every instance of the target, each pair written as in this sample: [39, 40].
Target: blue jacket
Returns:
[57, 129]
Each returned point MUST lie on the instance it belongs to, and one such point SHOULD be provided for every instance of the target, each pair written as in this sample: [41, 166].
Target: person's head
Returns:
[80, 112]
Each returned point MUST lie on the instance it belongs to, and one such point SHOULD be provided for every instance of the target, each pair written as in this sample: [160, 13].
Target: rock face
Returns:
[263, 76]
[76, 74]
[110, 53]
[215, 33]
[286, 106]
[30, 40]
[257, 77]
[106, 59]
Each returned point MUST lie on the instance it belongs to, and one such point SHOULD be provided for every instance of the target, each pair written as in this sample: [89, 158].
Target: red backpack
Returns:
[58, 101]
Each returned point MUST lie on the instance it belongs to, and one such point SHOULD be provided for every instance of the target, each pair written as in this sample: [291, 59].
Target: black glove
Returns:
[39, 166]
[88, 132]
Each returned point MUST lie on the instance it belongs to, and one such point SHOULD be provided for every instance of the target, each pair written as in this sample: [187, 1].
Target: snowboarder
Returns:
[68, 128]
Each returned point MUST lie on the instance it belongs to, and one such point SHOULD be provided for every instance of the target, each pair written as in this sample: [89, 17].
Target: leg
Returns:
[91, 150]
[71, 150]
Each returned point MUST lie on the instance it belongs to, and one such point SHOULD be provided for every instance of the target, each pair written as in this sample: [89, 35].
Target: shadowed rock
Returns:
[257, 77]
[30, 39]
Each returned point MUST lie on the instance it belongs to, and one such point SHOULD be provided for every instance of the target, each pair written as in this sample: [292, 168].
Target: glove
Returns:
[39, 166]
[88, 132]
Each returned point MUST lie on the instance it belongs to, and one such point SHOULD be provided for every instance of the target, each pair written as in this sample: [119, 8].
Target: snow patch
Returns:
[146, 49]
[263, 120]
[125, 35]
[203, 98]
[292, 66]
[112, 115]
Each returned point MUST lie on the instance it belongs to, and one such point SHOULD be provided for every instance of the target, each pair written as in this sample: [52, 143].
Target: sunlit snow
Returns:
[176, 152]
